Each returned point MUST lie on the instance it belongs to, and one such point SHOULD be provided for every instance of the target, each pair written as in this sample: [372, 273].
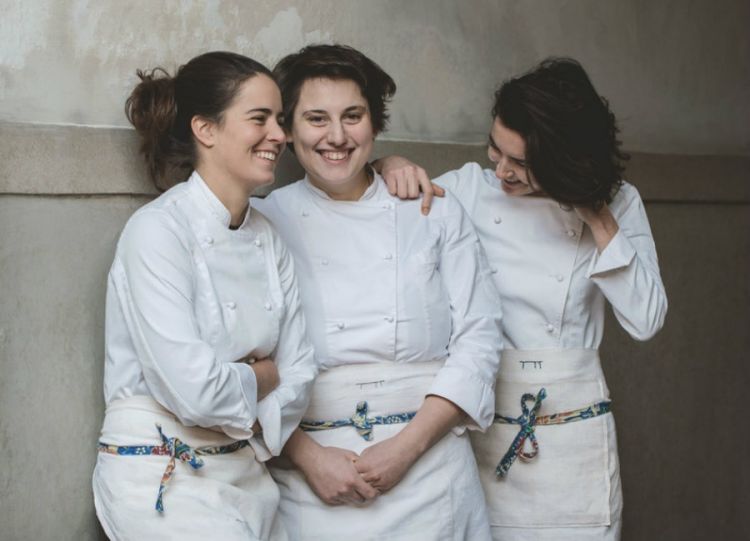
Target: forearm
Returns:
[435, 419]
[300, 449]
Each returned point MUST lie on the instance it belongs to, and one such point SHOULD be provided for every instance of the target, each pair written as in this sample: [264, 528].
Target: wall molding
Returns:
[74, 160]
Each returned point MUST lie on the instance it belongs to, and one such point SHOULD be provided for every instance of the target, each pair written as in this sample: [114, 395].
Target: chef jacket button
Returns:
[559, 277]
[268, 306]
[388, 256]
[550, 328]
[209, 240]
[340, 325]
[231, 305]
[305, 214]
[389, 319]
[498, 219]
[258, 243]
[493, 270]
[387, 206]
[571, 233]
[324, 262]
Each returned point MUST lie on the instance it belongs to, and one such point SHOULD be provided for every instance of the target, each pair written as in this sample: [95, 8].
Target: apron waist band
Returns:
[174, 448]
[360, 421]
[528, 420]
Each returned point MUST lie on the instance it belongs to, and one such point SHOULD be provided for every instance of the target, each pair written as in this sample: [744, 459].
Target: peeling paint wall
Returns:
[675, 71]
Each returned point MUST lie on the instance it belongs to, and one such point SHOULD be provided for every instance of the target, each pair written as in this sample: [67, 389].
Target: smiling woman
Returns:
[404, 318]
[200, 296]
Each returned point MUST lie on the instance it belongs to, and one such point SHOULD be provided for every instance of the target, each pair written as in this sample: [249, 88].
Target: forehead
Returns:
[329, 94]
[257, 92]
[507, 140]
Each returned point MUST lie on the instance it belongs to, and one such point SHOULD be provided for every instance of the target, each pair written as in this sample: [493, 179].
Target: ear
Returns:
[204, 131]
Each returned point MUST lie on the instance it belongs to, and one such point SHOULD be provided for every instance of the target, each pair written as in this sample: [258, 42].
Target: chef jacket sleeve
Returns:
[627, 270]
[468, 377]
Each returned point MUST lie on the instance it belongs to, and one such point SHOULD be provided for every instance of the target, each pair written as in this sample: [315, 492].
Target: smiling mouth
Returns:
[266, 155]
[335, 155]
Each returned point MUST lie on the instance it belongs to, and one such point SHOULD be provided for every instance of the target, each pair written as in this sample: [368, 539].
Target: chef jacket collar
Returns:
[215, 206]
[375, 190]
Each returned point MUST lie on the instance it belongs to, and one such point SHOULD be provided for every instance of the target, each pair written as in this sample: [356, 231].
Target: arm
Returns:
[152, 282]
[625, 266]
[330, 471]
[405, 180]
[280, 412]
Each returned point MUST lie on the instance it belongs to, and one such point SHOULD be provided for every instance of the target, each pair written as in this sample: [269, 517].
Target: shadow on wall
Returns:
[65, 194]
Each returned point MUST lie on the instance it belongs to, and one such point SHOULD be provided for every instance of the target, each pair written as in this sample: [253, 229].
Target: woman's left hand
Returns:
[384, 464]
[602, 223]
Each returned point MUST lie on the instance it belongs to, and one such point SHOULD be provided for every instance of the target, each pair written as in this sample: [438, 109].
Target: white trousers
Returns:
[440, 498]
[571, 490]
[232, 497]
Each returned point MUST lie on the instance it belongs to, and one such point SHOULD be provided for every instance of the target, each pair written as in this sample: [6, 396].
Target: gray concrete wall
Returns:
[676, 73]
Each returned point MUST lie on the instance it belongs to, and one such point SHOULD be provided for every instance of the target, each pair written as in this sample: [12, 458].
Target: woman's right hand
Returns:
[406, 179]
[266, 376]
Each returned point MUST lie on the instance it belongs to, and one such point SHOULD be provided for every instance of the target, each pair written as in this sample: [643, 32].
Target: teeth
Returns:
[329, 155]
[266, 155]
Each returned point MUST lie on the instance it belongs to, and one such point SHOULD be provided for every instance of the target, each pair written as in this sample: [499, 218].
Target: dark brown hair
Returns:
[162, 107]
[337, 62]
[570, 133]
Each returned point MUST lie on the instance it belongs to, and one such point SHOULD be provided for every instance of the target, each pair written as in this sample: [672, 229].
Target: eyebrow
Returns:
[324, 112]
[259, 110]
[492, 143]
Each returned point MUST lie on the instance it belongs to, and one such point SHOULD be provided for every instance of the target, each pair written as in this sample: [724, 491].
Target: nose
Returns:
[276, 133]
[336, 135]
[502, 170]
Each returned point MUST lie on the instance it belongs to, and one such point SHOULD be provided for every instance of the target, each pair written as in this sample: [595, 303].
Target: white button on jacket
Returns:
[409, 288]
[172, 335]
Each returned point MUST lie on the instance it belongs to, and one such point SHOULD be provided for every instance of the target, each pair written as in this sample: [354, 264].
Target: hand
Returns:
[601, 222]
[331, 473]
[266, 376]
[384, 464]
[405, 179]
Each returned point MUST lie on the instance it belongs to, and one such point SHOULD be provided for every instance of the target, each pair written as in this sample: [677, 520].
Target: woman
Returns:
[200, 294]
[563, 234]
[403, 316]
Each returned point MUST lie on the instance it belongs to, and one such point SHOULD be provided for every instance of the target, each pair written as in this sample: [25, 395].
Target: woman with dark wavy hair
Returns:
[564, 235]
[206, 359]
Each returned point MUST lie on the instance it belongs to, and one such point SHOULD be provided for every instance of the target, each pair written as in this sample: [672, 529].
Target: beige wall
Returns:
[676, 73]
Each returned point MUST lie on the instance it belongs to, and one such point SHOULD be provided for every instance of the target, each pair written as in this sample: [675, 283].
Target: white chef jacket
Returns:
[186, 297]
[380, 282]
[552, 280]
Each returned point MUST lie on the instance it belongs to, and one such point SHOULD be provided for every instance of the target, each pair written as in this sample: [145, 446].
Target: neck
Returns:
[233, 196]
[352, 190]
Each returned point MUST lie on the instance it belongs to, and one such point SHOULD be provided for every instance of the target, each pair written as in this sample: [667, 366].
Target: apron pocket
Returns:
[567, 484]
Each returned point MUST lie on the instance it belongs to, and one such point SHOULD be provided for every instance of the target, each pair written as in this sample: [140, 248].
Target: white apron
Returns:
[571, 490]
[440, 498]
[232, 497]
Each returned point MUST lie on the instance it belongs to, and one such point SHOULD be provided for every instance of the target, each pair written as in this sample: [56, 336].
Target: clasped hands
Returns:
[342, 477]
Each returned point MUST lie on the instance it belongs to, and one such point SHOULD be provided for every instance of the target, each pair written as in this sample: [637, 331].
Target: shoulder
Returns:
[278, 201]
[158, 225]
[458, 177]
[626, 197]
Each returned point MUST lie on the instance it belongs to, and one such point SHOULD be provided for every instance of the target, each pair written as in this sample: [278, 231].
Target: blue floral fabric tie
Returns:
[360, 421]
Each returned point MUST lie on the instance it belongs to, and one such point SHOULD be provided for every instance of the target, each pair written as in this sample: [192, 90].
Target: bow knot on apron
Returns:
[527, 420]
[176, 449]
[360, 421]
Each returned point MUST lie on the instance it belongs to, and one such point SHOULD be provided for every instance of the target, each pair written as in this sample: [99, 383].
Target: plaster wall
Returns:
[675, 71]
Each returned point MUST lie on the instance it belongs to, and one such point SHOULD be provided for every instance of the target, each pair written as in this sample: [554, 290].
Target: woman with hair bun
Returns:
[206, 359]
[564, 235]
[404, 318]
